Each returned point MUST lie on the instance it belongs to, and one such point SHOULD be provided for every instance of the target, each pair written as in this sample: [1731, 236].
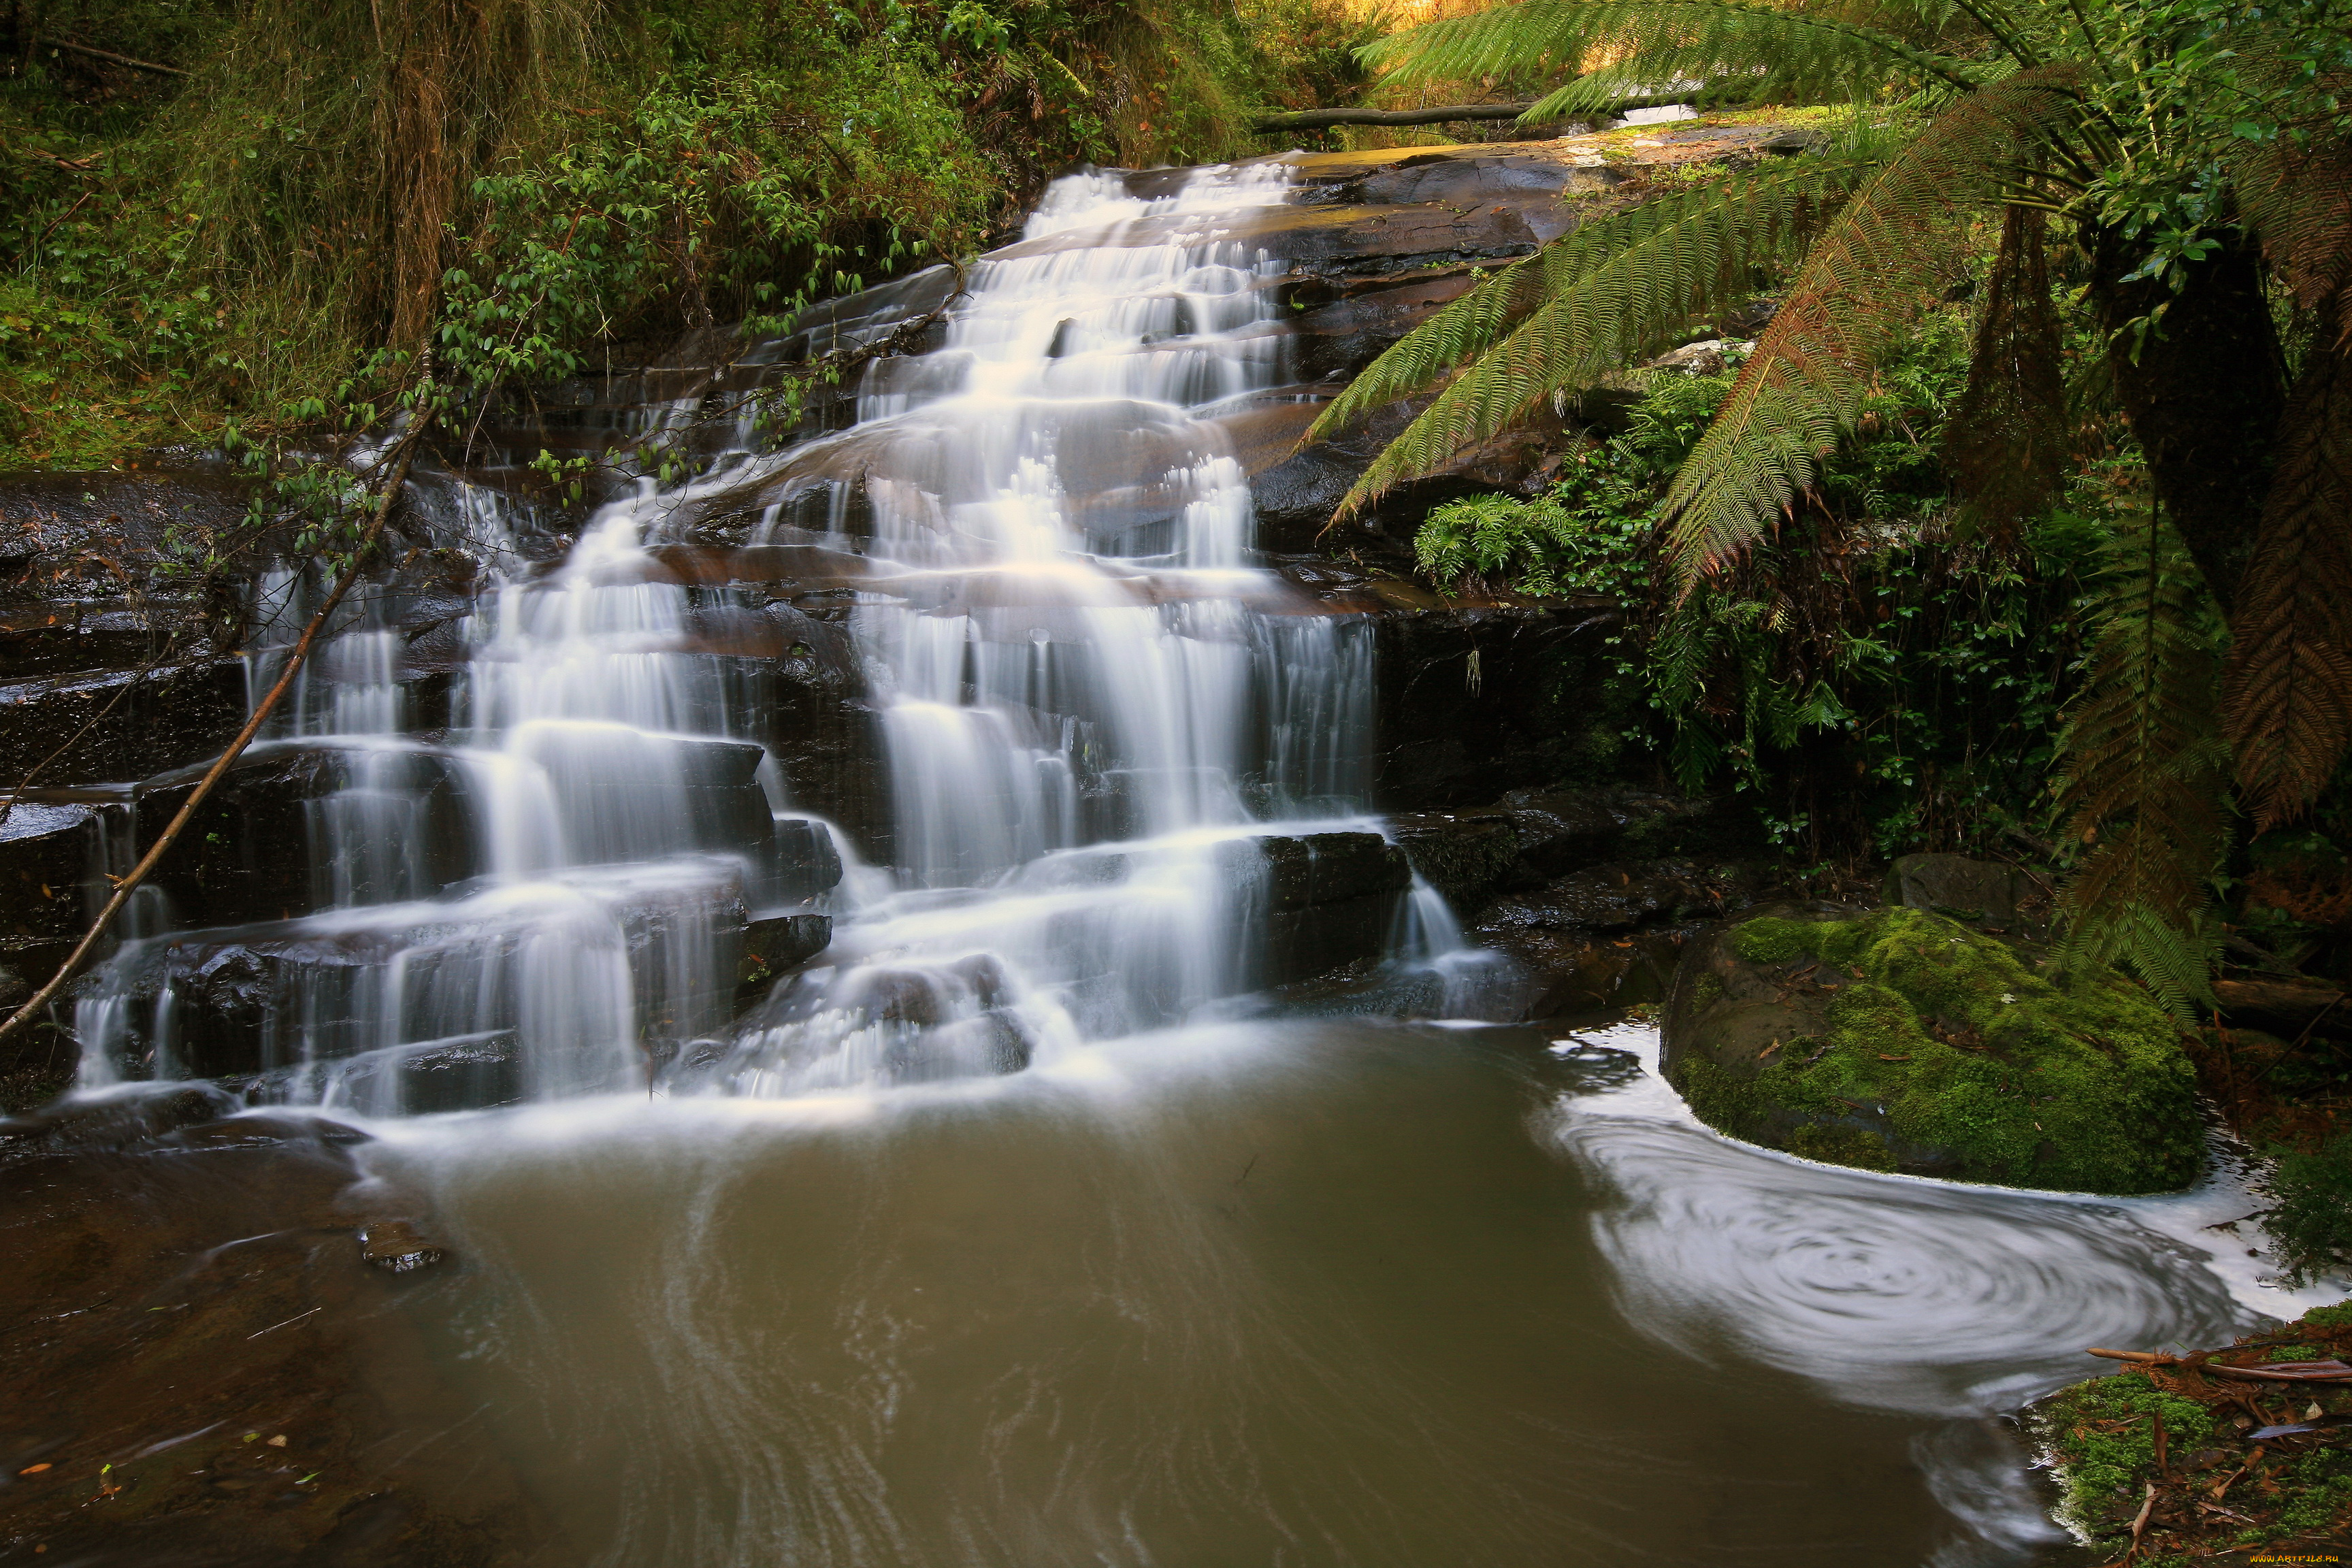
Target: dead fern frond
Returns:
[2297, 196]
[1889, 255]
[2289, 691]
[2006, 442]
[2143, 772]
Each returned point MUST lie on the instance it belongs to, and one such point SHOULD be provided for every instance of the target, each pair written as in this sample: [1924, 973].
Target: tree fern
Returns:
[2143, 776]
[1585, 305]
[1796, 52]
[1890, 253]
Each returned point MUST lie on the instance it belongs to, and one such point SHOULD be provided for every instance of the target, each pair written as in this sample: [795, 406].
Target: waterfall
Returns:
[1124, 766]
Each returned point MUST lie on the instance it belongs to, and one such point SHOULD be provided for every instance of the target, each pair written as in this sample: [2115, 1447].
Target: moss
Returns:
[1721, 1099]
[1853, 1146]
[2102, 1434]
[2077, 1083]
[2297, 1352]
[1774, 941]
[2339, 1316]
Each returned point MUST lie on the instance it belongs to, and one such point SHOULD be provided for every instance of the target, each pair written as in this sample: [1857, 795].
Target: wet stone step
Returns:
[157, 720]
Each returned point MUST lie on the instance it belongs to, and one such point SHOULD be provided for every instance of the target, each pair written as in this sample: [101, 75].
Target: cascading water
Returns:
[1094, 713]
[1190, 1291]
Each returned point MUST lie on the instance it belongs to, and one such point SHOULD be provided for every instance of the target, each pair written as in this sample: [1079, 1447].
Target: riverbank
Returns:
[2185, 1459]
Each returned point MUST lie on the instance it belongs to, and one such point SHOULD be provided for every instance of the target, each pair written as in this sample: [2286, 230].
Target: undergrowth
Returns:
[520, 183]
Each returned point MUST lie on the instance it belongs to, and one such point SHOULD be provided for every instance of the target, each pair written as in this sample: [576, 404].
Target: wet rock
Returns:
[57, 638]
[1954, 885]
[1329, 898]
[1473, 702]
[123, 1119]
[248, 853]
[260, 1131]
[167, 718]
[1609, 898]
[46, 855]
[393, 1246]
[1901, 1039]
[1462, 857]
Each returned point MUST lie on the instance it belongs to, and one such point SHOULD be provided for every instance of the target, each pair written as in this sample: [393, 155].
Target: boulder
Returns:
[1900, 1039]
[1985, 891]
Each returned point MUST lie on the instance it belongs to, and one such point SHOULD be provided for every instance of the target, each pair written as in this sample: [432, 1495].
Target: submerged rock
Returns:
[1901, 1041]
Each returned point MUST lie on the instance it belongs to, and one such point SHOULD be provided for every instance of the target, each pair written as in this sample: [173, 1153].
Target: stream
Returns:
[942, 1187]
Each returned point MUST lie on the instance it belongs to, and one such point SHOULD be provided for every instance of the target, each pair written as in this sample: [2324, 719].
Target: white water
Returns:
[1090, 712]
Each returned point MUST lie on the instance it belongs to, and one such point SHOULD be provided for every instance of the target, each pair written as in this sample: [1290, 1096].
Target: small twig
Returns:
[2139, 1522]
[260, 715]
[110, 54]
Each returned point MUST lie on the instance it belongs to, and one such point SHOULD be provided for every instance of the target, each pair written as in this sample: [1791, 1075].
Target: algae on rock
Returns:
[1901, 1039]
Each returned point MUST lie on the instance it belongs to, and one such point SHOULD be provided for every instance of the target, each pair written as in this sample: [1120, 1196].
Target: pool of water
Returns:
[1309, 1292]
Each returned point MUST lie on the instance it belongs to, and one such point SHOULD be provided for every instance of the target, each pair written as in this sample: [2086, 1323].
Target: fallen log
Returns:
[1321, 119]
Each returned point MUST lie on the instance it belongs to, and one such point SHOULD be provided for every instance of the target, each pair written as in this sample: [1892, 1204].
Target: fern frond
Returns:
[1609, 292]
[2288, 701]
[1888, 256]
[2005, 441]
[1794, 53]
[2143, 775]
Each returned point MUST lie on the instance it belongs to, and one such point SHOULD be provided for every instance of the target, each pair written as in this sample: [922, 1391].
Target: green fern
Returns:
[1795, 53]
[1889, 255]
[1585, 304]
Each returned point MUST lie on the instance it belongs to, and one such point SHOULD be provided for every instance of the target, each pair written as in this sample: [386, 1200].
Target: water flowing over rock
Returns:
[966, 726]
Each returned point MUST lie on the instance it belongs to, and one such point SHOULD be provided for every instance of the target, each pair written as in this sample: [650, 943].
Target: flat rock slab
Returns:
[204, 1369]
[1899, 1040]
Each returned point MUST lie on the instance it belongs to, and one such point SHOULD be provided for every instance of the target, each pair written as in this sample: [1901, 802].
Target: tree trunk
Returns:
[2203, 393]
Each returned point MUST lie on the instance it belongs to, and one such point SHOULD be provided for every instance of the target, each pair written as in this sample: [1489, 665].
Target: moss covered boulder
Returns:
[1901, 1041]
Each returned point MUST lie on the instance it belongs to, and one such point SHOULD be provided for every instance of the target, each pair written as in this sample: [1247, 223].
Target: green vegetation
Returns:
[2166, 1449]
[331, 189]
[2310, 1222]
[2119, 194]
[1872, 676]
[2033, 1077]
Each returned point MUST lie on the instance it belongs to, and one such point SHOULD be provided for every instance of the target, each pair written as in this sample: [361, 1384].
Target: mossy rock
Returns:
[1900, 1039]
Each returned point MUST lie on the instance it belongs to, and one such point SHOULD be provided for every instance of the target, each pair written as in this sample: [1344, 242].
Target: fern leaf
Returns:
[2005, 441]
[1886, 258]
[1609, 292]
[1792, 53]
[2143, 778]
[2289, 692]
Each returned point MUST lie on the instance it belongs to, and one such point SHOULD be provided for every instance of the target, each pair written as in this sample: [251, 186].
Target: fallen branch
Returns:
[402, 455]
[108, 55]
[2283, 1371]
[1319, 119]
